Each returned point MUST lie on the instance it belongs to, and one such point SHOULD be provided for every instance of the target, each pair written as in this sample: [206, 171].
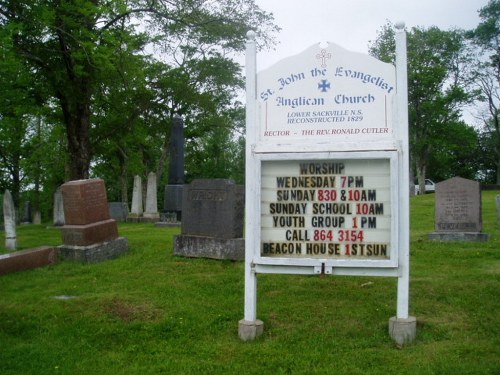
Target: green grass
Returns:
[149, 312]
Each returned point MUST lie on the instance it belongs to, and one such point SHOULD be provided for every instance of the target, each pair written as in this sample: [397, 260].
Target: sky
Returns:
[352, 24]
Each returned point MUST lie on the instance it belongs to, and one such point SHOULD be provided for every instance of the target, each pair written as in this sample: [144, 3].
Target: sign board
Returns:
[326, 94]
[327, 168]
[335, 209]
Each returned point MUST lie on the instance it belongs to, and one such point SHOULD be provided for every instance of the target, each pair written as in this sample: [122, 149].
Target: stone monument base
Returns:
[27, 259]
[94, 253]
[133, 218]
[250, 330]
[150, 217]
[84, 235]
[168, 224]
[459, 236]
[403, 331]
[209, 247]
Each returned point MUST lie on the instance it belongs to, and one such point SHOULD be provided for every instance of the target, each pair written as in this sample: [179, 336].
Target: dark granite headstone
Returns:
[212, 224]
[27, 216]
[176, 164]
[173, 191]
[89, 232]
[118, 210]
[458, 211]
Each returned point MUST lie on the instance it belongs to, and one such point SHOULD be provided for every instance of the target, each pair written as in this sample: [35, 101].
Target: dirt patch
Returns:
[129, 311]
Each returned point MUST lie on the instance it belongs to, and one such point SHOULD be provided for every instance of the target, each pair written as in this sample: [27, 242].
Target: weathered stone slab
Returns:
[212, 220]
[118, 210]
[96, 252]
[458, 206]
[213, 208]
[27, 259]
[458, 215]
[58, 215]
[209, 247]
[151, 213]
[9, 217]
[85, 202]
[137, 207]
[83, 235]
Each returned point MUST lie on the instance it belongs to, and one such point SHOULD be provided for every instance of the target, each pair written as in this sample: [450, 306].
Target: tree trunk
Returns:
[76, 112]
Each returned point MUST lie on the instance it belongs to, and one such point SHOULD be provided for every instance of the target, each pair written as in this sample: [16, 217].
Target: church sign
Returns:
[327, 182]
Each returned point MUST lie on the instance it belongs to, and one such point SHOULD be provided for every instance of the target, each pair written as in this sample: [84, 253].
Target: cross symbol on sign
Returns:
[323, 56]
[324, 85]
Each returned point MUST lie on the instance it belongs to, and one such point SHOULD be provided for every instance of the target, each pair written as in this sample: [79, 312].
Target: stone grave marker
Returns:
[9, 217]
[174, 190]
[212, 224]
[458, 215]
[58, 214]
[27, 259]
[151, 213]
[89, 234]
[118, 210]
[137, 208]
[27, 213]
[37, 217]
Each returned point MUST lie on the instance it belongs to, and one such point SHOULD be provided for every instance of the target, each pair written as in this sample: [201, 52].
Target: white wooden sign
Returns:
[327, 182]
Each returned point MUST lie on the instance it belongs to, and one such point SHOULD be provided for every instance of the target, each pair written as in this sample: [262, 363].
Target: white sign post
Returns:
[327, 172]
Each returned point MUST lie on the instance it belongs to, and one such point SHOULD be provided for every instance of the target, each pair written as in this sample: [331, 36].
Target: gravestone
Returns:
[37, 217]
[212, 220]
[458, 215]
[9, 217]
[136, 210]
[118, 211]
[174, 190]
[27, 213]
[89, 234]
[27, 259]
[58, 214]
[151, 213]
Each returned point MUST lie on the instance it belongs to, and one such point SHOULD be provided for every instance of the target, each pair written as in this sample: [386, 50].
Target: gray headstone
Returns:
[137, 209]
[37, 217]
[213, 208]
[458, 210]
[58, 215]
[458, 206]
[212, 220]
[9, 216]
[151, 211]
[118, 210]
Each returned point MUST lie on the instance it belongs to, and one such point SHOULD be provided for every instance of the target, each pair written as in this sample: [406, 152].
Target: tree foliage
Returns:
[113, 73]
[436, 92]
[485, 78]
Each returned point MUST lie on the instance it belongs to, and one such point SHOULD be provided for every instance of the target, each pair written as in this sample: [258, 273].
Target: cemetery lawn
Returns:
[149, 312]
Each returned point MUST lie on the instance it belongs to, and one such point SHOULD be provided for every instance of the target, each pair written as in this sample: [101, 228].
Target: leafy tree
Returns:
[71, 45]
[485, 77]
[435, 88]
